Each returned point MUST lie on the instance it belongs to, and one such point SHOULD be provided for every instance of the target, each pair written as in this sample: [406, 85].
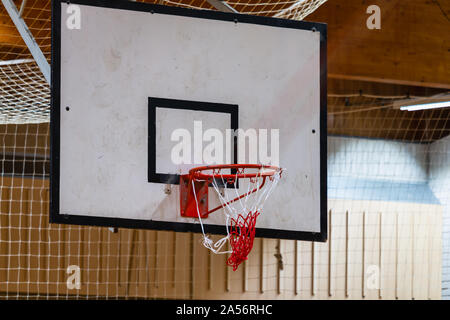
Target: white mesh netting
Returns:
[24, 93]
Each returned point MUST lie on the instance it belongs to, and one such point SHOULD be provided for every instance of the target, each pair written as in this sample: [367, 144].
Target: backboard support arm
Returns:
[222, 6]
[28, 38]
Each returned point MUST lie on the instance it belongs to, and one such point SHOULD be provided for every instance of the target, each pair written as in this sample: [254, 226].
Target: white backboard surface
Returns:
[268, 73]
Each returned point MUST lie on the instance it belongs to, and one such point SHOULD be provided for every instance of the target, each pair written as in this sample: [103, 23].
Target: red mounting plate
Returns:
[188, 205]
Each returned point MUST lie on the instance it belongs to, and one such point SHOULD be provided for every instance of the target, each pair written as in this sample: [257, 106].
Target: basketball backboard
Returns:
[142, 93]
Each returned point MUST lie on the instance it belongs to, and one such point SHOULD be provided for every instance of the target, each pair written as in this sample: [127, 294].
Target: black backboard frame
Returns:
[59, 217]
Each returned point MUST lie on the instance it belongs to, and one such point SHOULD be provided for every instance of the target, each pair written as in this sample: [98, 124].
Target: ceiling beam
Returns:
[390, 81]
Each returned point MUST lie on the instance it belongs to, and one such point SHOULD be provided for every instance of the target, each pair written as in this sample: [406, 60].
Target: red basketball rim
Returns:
[198, 172]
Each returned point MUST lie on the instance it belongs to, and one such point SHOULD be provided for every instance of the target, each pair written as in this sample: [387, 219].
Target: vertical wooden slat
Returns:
[210, 267]
[430, 254]
[380, 257]
[330, 250]
[18, 214]
[24, 217]
[346, 254]
[396, 254]
[140, 261]
[100, 255]
[147, 263]
[363, 258]
[297, 275]
[130, 261]
[245, 276]
[62, 257]
[192, 265]
[279, 266]
[47, 247]
[119, 261]
[227, 272]
[44, 214]
[174, 257]
[155, 261]
[261, 269]
[107, 260]
[412, 255]
[313, 283]
[6, 232]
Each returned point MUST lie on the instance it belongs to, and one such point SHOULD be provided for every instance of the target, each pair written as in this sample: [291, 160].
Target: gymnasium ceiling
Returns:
[409, 55]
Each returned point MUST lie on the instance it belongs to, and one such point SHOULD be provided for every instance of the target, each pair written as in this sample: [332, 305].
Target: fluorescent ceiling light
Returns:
[425, 106]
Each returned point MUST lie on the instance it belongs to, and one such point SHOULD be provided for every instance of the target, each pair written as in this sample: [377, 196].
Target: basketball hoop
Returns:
[240, 210]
